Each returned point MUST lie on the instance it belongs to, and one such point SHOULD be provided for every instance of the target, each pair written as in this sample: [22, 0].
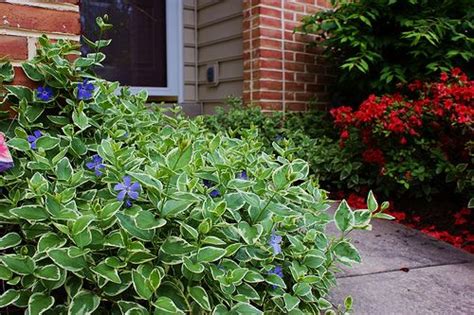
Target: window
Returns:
[146, 48]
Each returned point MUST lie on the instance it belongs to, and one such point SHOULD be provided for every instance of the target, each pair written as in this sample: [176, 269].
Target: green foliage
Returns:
[379, 43]
[200, 237]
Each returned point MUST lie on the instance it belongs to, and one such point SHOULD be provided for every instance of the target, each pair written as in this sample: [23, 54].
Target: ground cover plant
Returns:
[112, 206]
[378, 44]
[413, 146]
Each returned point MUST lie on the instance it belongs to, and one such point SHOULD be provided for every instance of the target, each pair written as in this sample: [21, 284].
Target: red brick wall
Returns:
[23, 21]
[281, 72]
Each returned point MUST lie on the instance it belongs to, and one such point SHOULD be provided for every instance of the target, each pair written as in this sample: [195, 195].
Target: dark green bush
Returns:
[379, 43]
[114, 207]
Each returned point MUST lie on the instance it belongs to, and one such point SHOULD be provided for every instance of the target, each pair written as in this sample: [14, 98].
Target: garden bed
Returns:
[444, 217]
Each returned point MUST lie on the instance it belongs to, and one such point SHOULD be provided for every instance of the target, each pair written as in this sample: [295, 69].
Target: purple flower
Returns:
[209, 184]
[278, 138]
[85, 90]
[32, 138]
[243, 175]
[96, 165]
[214, 193]
[277, 271]
[44, 93]
[274, 242]
[5, 166]
[127, 190]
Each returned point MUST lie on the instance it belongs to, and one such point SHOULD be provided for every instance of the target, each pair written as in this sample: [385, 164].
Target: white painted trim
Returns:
[36, 34]
[174, 54]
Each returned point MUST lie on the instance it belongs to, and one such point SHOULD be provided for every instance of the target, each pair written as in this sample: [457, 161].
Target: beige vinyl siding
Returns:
[219, 36]
[189, 52]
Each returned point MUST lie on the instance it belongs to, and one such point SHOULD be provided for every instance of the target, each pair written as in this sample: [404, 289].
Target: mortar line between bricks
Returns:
[398, 270]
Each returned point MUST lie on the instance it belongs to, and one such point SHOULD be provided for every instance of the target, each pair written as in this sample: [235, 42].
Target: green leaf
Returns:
[280, 177]
[62, 258]
[147, 180]
[172, 208]
[177, 159]
[107, 272]
[246, 309]
[314, 261]
[81, 224]
[177, 246]
[64, 170]
[9, 240]
[31, 213]
[9, 297]
[47, 143]
[128, 224]
[275, 280]
[140, 285]
[371, 202]
[48, 272]
[165, 305]
[110, 209]
[80, 120]
[5, 273]
[84, 303]
[32, 72]
[50, 240]
[250, 234]
[23, 265]
[210, 253]
[19, 144]
[290, 301]
[344, 217]
[380, 215]
[20, 92]
[196, 268]
[347, 253]
[200, 296]
[6, 72]
[147, 221]
[32, 113]
[39, 303]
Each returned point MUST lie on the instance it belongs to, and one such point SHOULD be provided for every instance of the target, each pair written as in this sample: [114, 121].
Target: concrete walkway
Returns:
[404, 271]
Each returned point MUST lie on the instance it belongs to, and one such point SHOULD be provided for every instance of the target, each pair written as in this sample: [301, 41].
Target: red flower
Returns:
[444, 76]
[456, 71]
[373, 156]
[345, 134]
[403, 140]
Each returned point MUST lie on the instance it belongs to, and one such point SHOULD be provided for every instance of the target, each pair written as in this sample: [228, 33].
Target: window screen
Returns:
[137, 54]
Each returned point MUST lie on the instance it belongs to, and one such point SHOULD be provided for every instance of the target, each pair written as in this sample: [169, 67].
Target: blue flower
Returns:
[277, 271]
[215, 192]
[243, 175]
[127, 190]
[45, 94]
[274, 242]
[96, 165]
[32, 138]
[85, 90]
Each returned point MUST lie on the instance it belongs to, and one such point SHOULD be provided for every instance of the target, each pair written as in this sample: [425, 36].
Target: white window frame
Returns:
[174, 54]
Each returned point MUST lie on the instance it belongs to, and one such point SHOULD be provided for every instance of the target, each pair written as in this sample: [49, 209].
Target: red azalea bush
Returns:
[418, 139]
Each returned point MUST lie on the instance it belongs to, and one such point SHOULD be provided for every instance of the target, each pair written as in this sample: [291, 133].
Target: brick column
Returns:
[23, 21]
[281, 72]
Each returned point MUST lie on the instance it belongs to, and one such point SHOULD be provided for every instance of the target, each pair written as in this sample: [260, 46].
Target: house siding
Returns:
[219, 36]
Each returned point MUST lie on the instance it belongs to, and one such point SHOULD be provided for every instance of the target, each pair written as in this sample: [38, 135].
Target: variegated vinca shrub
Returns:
[113, 207]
